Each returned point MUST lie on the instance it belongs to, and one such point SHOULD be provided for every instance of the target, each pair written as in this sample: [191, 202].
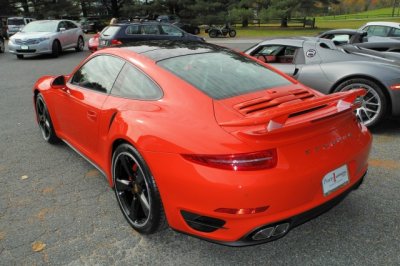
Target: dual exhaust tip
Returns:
[272, 231]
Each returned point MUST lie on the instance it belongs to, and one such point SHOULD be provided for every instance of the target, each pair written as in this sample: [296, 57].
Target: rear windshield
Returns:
[110, 31]
[223, 74]
[16, 21]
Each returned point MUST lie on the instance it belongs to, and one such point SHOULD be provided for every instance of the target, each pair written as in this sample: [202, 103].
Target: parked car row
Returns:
[380, 36]
[319, 64]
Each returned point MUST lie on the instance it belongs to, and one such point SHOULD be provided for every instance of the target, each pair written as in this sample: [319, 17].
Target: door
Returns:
[62, 34]
[79, 104]
[73, 33]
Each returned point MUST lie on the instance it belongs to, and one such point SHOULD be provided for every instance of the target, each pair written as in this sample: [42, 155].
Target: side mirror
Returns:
[58, 83]
[62, 29]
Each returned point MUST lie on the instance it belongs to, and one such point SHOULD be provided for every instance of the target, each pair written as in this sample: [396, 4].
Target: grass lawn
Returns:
[322, 24]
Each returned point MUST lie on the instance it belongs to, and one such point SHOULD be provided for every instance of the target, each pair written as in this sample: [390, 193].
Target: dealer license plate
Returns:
[24, 47]
[334, 180]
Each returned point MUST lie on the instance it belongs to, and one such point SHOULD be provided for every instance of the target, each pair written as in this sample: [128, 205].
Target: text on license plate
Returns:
[24, 47]
[335, 179]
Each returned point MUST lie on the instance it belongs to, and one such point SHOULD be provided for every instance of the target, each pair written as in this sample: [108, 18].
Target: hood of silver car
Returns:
[31, 35]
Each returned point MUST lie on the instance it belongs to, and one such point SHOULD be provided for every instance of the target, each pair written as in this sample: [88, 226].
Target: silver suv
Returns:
[46, 37]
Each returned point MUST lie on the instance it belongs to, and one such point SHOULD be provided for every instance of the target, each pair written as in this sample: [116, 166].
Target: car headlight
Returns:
[42, 39]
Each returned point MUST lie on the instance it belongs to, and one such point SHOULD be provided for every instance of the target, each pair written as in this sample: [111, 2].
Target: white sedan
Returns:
[47, 37]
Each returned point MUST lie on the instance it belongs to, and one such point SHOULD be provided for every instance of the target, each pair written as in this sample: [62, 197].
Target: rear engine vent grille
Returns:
[273, 99]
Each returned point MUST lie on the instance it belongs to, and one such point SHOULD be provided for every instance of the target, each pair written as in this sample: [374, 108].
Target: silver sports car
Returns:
[319, 64]
[46, 37]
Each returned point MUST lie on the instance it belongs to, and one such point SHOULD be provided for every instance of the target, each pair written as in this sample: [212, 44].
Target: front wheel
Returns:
[374, 104]
[80, 44]
[136, 191]
[56, 49]
[44, 121]
[212, 33]
[232, 33]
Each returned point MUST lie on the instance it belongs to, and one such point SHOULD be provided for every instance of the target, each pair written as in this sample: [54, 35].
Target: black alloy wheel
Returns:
[80, 44]
[374, 105]
[44, 121]
[56, 49]
[136, 191]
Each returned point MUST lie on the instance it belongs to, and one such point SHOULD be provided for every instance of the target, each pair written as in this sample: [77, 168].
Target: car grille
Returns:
[26, 51]
[26, 42]
[273, 99]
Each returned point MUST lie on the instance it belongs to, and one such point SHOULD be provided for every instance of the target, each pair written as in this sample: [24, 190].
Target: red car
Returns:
[207, 140]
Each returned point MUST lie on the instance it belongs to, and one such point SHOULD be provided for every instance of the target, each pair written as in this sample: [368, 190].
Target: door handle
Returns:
[92, 115]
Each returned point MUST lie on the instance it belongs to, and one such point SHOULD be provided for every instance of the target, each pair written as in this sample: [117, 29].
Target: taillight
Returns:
[237, 162]
[395, 87]
[115, 42]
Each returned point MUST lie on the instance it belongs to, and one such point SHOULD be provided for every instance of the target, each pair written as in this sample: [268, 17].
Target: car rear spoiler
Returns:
[309, 111]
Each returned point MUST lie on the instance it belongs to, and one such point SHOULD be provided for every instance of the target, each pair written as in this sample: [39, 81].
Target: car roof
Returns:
[160, 50]
[343, 31]
[383, 23]
[141, 23]
[297, 41]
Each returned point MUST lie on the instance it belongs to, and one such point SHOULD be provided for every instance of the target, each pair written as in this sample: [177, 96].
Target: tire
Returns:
[2, 46]
[56, 49]
[20, 56]
[374, 105]
[80, 44]
[44, 121]
[232, 33]
[136, 191]
[212, 33]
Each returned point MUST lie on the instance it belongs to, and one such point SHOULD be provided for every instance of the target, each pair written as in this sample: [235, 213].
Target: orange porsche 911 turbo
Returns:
[204, 139]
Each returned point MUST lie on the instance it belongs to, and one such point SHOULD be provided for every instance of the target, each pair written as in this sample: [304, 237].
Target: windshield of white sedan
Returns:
[223, 75]
[41, 26]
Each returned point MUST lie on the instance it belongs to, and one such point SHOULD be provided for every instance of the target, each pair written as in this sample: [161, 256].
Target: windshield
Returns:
[15, 21]
[223, 74]
[41, 26]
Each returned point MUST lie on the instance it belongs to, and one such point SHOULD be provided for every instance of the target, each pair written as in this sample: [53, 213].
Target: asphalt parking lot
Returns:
[52, 196]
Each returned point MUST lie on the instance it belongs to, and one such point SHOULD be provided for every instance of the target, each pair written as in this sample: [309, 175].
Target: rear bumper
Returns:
[293, 221]
[284, 193]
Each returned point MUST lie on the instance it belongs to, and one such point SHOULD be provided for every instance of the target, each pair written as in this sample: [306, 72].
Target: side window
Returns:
[132, 29]
[150, 29]
[395, 32]
[276, 54]
[381, 31]
[99, 73]
[169, 30]
[132, 83]
[62, 24]
[70, 25]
